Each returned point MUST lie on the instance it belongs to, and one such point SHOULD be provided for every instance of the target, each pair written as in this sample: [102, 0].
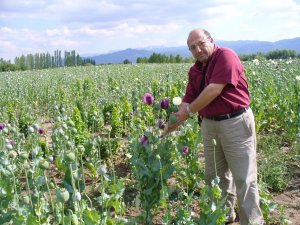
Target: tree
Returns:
[126, 61]
[281, 54]
[142, 60]
[178, 58]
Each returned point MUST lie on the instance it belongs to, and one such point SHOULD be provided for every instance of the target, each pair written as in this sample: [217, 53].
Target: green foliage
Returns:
[107, 112]
[44, 147]
[127, 113]
[10, 110]
[80, 126]
[152, 166]
[281, 54]
[273, 166]
[116, 122]
[25, 121]
[275, 100]
[91, 217]
[95, 120]
[193, 172]
[126, 61]
[211, 204]
[105, 146]
[162, 58]
[8, 66]
[87, 86]
[267, 204]
[74, 103]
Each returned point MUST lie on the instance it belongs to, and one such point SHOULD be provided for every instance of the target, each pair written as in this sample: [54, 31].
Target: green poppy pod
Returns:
[62, 195]
[173, 119]
[26, 199]
[74, 219]
[44, 164]
[24, 155]
[69, 156]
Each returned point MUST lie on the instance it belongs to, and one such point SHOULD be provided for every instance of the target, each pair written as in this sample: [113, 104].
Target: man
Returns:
[218, 91]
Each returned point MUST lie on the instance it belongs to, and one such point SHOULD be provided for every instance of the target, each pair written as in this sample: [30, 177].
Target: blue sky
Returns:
[101, 26]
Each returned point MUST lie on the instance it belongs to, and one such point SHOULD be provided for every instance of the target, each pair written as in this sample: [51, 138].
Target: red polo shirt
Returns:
[224, 67]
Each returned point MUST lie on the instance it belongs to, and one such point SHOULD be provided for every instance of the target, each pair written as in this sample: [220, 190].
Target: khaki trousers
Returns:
[235, 158]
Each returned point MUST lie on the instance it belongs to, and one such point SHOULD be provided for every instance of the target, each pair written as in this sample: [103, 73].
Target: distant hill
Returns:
[241, 47]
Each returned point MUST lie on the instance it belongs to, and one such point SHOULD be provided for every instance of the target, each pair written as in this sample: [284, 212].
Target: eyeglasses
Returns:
[199, 44]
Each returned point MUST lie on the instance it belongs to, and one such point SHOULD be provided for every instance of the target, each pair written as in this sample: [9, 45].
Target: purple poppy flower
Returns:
[148, 99]
[165, 103]
[2, 126]
[41, 130]
[160, 124]
[144, 140]
[185, 150]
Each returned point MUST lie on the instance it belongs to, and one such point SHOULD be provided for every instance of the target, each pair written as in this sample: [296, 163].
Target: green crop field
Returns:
[79, 145]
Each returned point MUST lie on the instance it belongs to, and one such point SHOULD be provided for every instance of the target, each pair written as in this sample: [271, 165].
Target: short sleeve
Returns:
[190, 92]
[227, 69]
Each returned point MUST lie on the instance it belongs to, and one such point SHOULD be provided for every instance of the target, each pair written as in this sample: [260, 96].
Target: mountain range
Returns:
[240, 47]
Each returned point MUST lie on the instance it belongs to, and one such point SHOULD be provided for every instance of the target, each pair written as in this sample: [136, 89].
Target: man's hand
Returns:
[181, 116]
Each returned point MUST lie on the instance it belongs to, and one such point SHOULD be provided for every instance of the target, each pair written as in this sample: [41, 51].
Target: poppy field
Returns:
[82, 145]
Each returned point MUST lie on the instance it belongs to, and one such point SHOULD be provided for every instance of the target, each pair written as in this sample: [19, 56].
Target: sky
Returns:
[93, 27]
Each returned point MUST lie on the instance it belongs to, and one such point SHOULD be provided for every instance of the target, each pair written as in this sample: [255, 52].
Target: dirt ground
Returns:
[291, 198]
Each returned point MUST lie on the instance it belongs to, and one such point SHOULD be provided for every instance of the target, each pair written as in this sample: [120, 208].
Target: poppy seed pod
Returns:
[62, 195]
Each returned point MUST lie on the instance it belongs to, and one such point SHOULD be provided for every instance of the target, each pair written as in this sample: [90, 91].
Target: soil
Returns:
[291, 197]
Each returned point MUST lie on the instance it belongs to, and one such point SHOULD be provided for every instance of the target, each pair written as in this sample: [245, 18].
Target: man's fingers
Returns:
[170, 127]
[165, 131]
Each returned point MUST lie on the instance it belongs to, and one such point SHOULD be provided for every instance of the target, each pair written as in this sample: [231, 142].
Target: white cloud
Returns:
[67, 43]
[6, 30]
[105, 25]
[8, 46]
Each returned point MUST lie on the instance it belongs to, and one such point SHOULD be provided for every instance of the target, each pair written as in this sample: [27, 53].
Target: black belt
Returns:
[228, 116]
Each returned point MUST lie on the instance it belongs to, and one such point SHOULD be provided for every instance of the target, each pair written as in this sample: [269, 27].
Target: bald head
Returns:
[199, 32]
[201, 44]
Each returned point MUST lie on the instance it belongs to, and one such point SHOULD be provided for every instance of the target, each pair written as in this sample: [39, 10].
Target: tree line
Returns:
[162, 58]
[45, 61]
[277, 54]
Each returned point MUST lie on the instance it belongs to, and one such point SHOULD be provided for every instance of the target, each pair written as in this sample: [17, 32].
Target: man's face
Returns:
[200, 46]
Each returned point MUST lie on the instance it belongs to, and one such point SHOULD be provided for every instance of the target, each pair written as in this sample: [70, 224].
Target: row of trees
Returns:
[277, 54]
[44, 61]
[162, 58]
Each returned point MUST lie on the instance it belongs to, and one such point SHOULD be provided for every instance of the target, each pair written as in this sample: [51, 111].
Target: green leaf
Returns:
[19, 220]
[5, 218]
[91, 217]
[67, 219]
[32, 220]
[92, 169]
[59, 163]
[148, 191]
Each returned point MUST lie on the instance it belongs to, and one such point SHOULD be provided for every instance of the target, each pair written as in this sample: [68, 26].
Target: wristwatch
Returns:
[188, 110]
